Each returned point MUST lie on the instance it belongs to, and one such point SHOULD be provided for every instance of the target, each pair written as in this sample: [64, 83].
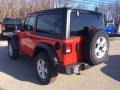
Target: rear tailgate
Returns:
[8, 29]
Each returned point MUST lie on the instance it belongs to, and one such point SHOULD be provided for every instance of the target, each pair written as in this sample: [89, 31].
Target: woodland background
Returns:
[20, 8]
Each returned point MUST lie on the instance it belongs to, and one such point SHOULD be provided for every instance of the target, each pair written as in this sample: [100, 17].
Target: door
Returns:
[27, 43]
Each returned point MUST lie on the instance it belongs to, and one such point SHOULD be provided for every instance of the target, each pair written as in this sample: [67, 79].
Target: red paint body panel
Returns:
[76, 55]
[29, 40]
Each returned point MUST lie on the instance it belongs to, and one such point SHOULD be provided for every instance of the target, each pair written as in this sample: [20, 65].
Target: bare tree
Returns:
[111, 12]
[19, 8]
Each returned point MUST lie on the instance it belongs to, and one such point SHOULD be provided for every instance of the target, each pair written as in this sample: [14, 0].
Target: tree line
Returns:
[20, 8]
[111, 12]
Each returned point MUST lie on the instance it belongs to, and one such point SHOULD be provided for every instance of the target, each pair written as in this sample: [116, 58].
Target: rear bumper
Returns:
[71, 68]
[5, 35]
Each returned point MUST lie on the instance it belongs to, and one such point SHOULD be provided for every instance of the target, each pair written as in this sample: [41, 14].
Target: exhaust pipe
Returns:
[76, 70]
[82, 66]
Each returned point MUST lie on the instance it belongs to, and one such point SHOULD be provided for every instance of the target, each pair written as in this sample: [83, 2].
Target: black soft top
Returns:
[63, 9]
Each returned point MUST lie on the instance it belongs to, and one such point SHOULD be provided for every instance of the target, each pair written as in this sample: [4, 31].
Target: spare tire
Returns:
[96, 47]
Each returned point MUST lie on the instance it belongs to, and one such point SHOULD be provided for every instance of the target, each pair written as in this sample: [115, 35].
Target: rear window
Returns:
[7, 21]
[50, 23]
[84, 19]
[12, 21]
[111, 25]
[17, 21]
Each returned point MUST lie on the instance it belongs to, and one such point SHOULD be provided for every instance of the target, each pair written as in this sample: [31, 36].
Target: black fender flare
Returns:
[15, 41]
[50, 50]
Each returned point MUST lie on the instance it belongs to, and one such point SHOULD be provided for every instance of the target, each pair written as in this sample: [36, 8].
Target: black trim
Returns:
[62, 9]
[51, 51]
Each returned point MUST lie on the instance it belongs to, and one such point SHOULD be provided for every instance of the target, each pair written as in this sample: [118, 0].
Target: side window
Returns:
[29, 23]
[50, 23]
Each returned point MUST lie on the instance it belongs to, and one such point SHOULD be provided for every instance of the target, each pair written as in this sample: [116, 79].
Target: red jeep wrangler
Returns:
[61, 40]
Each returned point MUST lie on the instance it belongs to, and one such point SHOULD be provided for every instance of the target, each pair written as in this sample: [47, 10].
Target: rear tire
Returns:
[13, 53]
[96, 47]
[43, 69]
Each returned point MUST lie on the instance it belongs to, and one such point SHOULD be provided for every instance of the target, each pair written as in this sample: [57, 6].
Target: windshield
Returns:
[17, 21]
[7, 20]
[12, 21]
[86, 20]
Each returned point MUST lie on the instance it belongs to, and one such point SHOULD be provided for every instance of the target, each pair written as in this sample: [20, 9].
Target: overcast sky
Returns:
[91, 6]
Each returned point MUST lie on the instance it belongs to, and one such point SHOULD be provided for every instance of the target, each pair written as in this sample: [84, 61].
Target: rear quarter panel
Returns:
[67, 59]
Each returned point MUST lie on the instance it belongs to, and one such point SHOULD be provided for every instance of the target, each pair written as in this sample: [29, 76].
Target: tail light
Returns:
[3, 27]
[93, 26]
[67, 48]
[16, 27]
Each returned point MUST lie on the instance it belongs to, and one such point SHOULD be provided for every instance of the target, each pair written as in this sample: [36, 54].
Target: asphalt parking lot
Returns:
[19, 75]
